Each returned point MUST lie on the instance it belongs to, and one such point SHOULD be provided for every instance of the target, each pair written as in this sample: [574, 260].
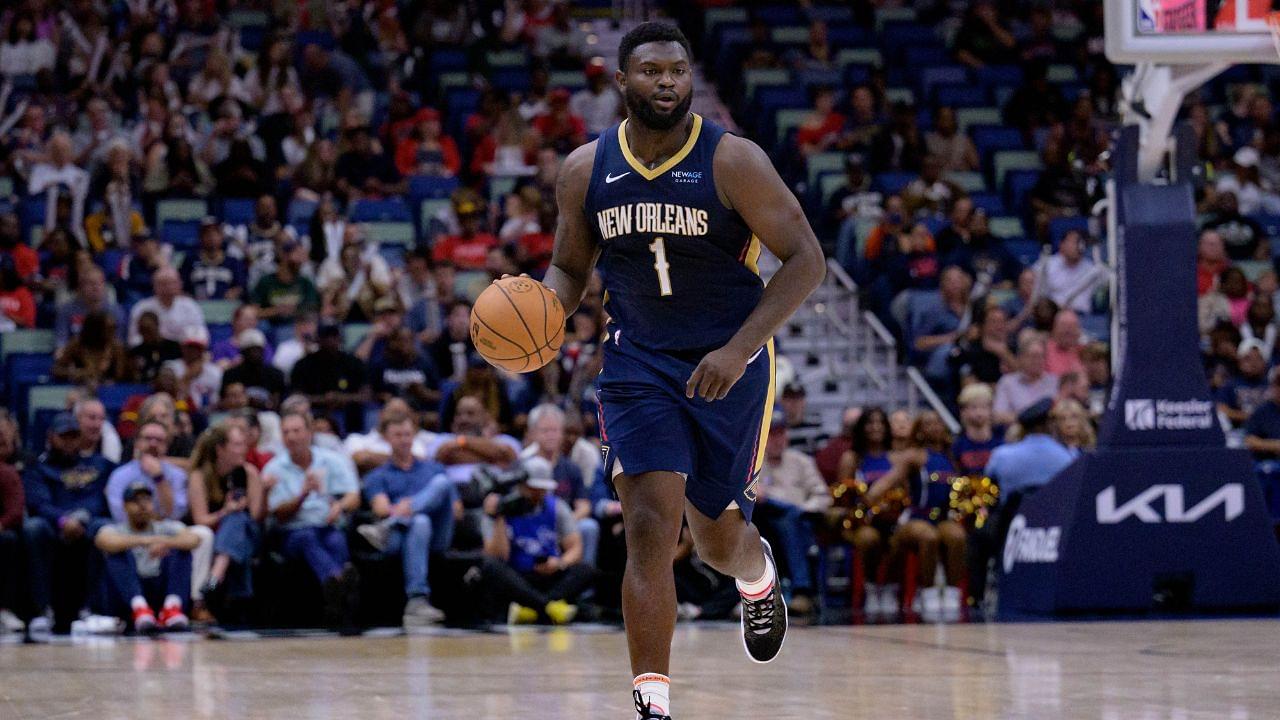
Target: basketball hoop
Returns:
[1273, 24]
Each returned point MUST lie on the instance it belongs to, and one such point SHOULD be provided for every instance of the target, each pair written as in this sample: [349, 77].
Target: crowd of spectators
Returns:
[334, 182]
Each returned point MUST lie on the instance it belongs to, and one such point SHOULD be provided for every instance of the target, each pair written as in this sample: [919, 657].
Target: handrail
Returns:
[935, 402]
[835, 270]
[880, 330]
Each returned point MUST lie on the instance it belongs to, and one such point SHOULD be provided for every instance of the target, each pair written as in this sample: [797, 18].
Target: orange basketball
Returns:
[517, 324]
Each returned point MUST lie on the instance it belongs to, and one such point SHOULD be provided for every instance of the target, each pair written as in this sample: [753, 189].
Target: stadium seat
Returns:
[181, 234]
[6, 187]
[1006, 160]
[1026, 251]
[393, 209]
[824, 162]
[999, 75]
[23, 370]
[511, 79]
[448, 60]
[27, 341]
[817, 77]
[776, 15]
[845, 36]
[892, 183]
[992, 139]
[427, 214]
[760, 77]
[219, 311]
[1271, 226]
[1253, 269]
[828, 183]
[1096, 327]
[175, 210]
[931, 77]
[859, 56]
[958, 96]
[968, 117]
[500, 185]
[114, 396]
[990, 203]
[900, 95]
[1006, 227]
[787, 119]
[831, 14]
[237, 211]
[300, 211]
[571, 79]
[46, 397]
[353, 333]
[925, 56]
[790, 35]
[1059, 227]
[422, 187]
[384, 233]
[507, 59]
[1062, 73]
[855, 75]
[717, 15]
[970, 182]
[886, 15]
[450, 81]
[1018, 186]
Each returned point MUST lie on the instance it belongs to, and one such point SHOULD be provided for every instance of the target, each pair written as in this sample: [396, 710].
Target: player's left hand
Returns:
[716, 374]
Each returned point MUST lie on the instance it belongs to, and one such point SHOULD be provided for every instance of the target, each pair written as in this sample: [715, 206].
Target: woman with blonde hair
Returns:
[225, 494]
[1071, 425]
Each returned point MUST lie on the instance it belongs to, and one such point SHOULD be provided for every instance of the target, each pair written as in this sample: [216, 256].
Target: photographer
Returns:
[534, 550]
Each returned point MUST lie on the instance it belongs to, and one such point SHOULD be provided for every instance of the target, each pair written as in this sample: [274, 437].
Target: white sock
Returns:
[759, 588]
[655, 690]
[138, 603]
[173, 601]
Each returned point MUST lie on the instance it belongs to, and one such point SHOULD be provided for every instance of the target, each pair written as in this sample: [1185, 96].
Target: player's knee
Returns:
[866, 539]
[952, 534]
[718, 552]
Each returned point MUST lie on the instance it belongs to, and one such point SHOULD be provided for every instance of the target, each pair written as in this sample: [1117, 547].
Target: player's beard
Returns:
[639, 108]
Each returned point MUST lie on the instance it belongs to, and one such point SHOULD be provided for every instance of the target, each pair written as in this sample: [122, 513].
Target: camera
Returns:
[487, 480]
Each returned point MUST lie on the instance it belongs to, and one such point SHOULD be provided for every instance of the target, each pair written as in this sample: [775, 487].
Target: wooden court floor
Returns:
[1210, 670]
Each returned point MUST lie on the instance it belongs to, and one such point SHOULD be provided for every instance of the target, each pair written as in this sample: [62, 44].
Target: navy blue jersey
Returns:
[679, 268]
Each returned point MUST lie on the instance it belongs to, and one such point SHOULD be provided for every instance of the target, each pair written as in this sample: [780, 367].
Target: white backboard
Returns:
[1190, 32]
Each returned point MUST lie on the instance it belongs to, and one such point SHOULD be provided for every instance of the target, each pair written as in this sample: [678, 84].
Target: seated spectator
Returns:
[981, 254]
[1228, 302]
[91, 296]
[828, 457]
[227, 497]
[1073, 386]
[66, 507]
[12, 510]
[17, 304]
[1037, 104]
[152, 350]
[914, 264]
[953, 149]
[1071, 425]
[473, 440]
[428, 151]
[788, 490]
[546, 440]
[898, 146]
[333, 379]
[1211, 260]
[263, 384]
[1247, 389]
[1068, 276]
[138, 269]
[983, 353]
[148, 564]
[417, 284]
[821, 129]
[533, 551]
[1020, 469]
[1244, 237]
[241, 174]
[305, 341]
[97, 436]
[352, 282]
[11, 245]
[310, 492]
[175, 311]
[1241, 179]
[451, 352]
[468, 248]
[1259, 322]
[978, 434]
[414, 502]
[364, 171]
[816, 54]
[558, 127]
[1262, 429]
[1066, 340]
[282, 294]
[865, 118]
[1061, 190]
[256, 245]
[598, 104]
[199, 378]
[226, 353]
[1096, 357]
[1028, 383]
[58, 174]
[25, 50]
[930, 194]
[247, 421]
[894, 221]
[210, 273]
[853, 199]
[983, 39]
[521, 210]
[794, 402]
[95, 356]
[940, 328]
[404, 371]
[371, 450]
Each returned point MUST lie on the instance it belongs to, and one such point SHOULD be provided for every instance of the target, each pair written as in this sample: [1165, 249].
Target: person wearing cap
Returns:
[201, 378]
[546, 439]
[414, 502]
[148, 563]
[428, 151]
[467, 249]
[801, 425]
[533, 551]
[1247, 389]
[334, 380]
[979, 436]
[263, 383]
[210, 273]
[388, 316]
[1242, 180]
[311, 492]
[284, 293]
[1028, 383]
[558, 127]
[1020, 469]
[1244, 237]
[790, 490]
[226, 352]
[66, 505]
[598, 104]
[175, 311]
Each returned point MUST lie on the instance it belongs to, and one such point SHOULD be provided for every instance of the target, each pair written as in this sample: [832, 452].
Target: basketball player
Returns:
[673, 210]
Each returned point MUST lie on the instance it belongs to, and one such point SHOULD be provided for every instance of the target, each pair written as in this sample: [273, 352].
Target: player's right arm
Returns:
[575, 252]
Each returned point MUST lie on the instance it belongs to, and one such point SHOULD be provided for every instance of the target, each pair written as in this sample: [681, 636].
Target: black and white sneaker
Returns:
[764, 619]
[645, 711]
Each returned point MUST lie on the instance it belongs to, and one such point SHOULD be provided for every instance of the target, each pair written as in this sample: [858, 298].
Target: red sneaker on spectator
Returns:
[144, 620]
[172, 618]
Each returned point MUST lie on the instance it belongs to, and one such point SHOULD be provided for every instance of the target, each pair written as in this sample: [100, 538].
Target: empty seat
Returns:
[392, 209]
[959, 96]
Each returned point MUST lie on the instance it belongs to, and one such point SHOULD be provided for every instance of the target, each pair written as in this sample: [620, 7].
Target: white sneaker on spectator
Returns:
[688, 611]
[10, 622]
[419, 612]
[872, 606]
[41, 624]
[889, 599]
[952, 601]
[932, 604]
[375, 534]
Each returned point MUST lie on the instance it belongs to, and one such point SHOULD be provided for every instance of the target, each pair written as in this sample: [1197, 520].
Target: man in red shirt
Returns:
[558, 127]
[11, 245]
[17, 305]
[468, 249]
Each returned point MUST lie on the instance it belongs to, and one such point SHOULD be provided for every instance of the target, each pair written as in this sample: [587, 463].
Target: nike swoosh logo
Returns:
[610, 178]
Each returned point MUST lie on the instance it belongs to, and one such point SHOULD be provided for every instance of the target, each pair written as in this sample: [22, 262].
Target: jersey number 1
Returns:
[659, 249]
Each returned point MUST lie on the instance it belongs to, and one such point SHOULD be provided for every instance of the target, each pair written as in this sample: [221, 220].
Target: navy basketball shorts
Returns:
[647, 424]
